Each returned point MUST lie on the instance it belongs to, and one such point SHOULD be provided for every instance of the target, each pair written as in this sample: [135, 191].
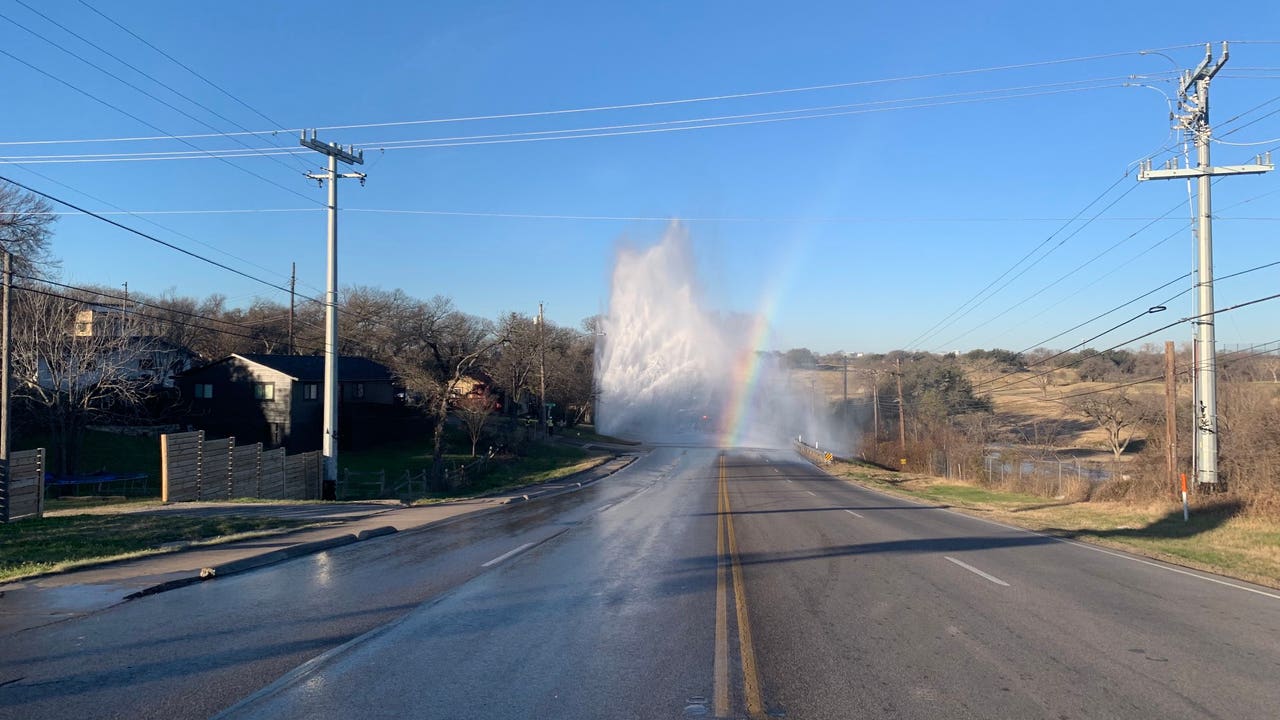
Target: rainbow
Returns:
[740, 408]
[746, 377]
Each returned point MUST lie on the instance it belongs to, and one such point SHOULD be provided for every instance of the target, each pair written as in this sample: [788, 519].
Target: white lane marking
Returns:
[787, 479]
[1065, 541]
[854, 514]
[604, 507]
[507, 554]
[811, 493]
[1126, 556]
[976, 571]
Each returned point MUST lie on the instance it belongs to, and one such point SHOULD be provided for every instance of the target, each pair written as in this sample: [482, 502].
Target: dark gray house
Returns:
[278, 400]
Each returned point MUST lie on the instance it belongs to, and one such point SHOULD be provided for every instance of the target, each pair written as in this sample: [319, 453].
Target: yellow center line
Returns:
[721, 667]
[750, 676]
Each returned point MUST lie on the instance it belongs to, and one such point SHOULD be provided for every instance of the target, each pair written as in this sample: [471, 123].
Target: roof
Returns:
[310, 368]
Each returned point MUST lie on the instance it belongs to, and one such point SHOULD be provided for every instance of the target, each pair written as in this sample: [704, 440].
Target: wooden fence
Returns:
[22, 493]
[193, 468]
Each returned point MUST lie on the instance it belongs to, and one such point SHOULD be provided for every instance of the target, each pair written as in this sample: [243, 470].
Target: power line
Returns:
[632, 218]
[1117, 308]
[635, 105]
[130, 115]
[1162, 328]
[961, 312]
[147, 220]
[47, 293]
[937, 327]
[1162, 303]
[1010, 308]
[1115, 269]
[141, 234]
[553, 135]
[189, 69]
[131, 300]
[184, 251]
[134, 68]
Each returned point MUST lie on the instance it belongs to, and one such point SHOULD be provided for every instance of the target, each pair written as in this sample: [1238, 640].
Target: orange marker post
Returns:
[1186, 515]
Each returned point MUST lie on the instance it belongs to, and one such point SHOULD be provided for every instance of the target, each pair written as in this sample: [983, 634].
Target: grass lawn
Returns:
[587, 433]
[1215, 539]
[541, 462]
[50, 544]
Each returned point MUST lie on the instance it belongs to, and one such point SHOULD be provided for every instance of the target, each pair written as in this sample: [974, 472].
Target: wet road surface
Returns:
[690, 584]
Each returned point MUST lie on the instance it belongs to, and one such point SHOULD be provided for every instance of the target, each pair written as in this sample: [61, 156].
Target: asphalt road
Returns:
[641, 596]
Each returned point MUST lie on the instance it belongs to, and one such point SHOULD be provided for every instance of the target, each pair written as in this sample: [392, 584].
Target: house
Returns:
[278, 400]
[104, 344]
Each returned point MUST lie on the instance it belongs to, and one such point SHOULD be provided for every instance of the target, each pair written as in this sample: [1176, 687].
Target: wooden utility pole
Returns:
[875, 403]
[542, 374]
[902, 413]
[1170, 419]
[293, 284]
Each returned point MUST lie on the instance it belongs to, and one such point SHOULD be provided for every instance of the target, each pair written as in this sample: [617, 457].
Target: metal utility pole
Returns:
[6, 317]
[293, 285]
[1193, 102]
[1170, 413]
[350, 156]
[542, 373]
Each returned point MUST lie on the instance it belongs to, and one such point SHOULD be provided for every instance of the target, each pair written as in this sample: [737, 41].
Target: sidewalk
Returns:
[40, 601]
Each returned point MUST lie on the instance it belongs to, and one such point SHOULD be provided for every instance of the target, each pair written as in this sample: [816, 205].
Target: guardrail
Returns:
[820, 457]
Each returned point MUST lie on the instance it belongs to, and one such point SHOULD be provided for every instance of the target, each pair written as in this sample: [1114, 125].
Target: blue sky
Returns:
[857, 231]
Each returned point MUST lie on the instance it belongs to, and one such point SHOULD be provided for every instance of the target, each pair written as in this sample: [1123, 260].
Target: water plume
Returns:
[672, 369]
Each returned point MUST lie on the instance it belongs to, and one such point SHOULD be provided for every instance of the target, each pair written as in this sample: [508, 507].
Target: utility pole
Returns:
[1193, 102]
[844, 406]
[293, 285]
[350, 156]
[875, 404]
[542, 373]
[6, 316]
[902, 413]
[1170, 419]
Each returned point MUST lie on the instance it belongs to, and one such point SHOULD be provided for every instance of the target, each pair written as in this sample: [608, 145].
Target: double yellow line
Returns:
[728, 563]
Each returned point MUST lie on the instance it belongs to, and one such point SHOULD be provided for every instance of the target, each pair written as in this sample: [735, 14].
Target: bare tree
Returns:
[1117, 415]
[515, 364]
[26, 224]
[474, 412]
[71, 379]
[1043, 379]
[438, 347]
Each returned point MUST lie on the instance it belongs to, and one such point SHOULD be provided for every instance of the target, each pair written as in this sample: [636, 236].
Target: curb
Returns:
[574, 487]
[250, 563]
[276, 556]
[375, 532]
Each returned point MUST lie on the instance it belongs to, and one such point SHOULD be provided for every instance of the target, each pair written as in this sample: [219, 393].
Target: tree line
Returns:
[65, 380]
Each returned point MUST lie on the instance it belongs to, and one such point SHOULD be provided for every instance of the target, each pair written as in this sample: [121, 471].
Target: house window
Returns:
[264, 391]
[357, 391]
[311, 391]
[204, 390]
